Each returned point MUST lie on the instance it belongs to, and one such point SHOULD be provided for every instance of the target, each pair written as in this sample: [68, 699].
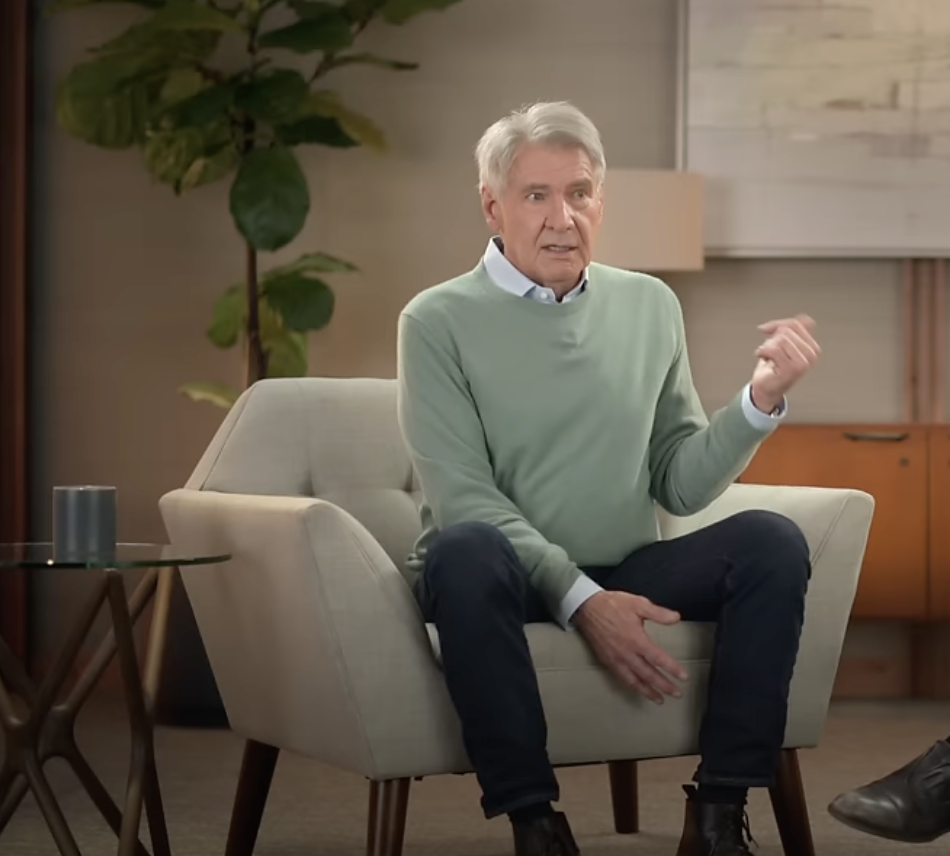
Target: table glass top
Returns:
[46, 555]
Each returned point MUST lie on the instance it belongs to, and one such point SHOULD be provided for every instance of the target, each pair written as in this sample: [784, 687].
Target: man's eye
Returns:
[534, 197]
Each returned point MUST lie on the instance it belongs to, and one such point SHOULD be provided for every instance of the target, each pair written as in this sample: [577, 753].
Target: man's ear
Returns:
[489, 209]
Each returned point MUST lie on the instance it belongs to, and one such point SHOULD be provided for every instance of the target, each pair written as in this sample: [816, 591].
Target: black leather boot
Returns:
[545, 836]
[714, 829]
[911, 804]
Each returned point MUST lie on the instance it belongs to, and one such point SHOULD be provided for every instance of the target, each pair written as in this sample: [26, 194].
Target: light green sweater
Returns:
[561, 424]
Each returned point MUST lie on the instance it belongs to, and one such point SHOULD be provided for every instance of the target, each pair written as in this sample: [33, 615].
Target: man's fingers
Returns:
[787, 349]
[781, 352]
[654, 678]
[659, 614]
[632, 680]
[805, 322]
[669, 664]
[808, 347]
[654, 657]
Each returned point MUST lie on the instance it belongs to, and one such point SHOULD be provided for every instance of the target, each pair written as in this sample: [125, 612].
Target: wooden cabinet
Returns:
[940, 523]
[906, 468]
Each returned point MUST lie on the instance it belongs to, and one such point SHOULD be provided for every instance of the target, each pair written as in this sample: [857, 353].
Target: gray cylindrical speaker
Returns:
[84, 522]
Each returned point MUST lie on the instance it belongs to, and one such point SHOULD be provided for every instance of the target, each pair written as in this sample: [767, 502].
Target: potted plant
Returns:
[163, 85]
[157, 86]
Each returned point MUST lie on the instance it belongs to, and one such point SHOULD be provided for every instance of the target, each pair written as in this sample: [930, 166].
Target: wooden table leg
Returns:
[48, 729]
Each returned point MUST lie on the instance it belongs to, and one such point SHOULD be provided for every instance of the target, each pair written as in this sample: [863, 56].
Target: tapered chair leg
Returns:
[625, 796]
[791, 811]
[257, 772]
[386, 823]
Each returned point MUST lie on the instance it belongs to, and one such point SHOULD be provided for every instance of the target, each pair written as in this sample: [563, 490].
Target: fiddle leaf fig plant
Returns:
[169, 85]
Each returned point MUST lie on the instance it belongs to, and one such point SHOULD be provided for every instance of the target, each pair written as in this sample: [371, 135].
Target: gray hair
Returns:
[556, 123]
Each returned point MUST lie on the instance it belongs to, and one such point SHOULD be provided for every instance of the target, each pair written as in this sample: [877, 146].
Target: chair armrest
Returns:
[836, 523]
[311, 631]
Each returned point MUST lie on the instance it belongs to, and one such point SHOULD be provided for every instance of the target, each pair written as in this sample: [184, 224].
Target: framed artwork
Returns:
[822, 128]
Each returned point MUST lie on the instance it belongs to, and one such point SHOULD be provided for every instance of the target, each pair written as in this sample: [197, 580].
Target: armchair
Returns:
[318, 646]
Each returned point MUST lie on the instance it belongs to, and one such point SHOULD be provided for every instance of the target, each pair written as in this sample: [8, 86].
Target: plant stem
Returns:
[329, 60]
[256, 365]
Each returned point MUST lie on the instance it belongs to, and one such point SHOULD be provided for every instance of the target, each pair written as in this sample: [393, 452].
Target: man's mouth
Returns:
[558, 248]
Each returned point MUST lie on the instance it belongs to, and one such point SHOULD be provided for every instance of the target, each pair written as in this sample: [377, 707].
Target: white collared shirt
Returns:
[508, 277]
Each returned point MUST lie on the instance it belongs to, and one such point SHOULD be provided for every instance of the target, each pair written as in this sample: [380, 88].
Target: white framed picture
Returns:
[822, 128]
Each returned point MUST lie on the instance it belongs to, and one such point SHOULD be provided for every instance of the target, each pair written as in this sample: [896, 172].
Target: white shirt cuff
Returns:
[584, 588]
[758, 419]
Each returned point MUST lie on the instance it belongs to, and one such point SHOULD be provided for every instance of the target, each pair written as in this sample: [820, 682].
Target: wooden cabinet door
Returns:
[890, 463]
[939, 513]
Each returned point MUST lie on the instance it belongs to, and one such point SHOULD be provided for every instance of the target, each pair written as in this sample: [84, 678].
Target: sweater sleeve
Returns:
[439, 420]
[694, 459]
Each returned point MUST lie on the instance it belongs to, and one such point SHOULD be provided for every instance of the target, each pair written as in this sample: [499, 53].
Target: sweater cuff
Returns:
[584, 587]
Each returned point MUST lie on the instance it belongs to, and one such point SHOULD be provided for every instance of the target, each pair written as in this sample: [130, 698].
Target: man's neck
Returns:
[560, 290]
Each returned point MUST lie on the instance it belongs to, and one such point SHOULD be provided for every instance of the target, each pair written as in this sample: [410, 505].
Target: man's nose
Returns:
[559, 214]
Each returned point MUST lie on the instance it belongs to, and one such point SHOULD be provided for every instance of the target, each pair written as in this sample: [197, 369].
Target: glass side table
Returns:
[47, 729]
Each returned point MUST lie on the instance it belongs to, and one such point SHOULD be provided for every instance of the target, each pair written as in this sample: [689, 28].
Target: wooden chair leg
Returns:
[791, 811]
[625, 796]
[386, 824]
[257, 772]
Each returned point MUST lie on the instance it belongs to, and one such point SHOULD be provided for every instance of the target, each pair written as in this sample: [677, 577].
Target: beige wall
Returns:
[127, 273]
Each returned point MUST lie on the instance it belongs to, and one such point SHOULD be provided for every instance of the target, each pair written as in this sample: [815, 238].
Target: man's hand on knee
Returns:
[612, 622]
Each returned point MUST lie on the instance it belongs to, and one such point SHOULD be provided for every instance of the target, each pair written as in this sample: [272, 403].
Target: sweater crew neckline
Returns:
[525, 304]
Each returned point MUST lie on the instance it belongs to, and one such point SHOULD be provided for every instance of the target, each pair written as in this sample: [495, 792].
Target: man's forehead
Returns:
[551, 160]
[541, 177]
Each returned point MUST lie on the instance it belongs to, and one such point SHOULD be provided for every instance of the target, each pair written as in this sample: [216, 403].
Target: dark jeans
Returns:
[748, 573]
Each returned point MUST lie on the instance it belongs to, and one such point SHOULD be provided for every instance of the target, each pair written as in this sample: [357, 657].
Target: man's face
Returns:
[548, 215]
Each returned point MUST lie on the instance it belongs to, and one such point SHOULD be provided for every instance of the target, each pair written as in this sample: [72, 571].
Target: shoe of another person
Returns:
[911, 804]
[714, 829]
[545, 836]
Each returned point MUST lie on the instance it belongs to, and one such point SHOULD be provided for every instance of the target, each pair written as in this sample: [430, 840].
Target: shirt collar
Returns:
[507, 276]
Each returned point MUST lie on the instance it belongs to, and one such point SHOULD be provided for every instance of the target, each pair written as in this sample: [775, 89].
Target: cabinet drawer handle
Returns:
[876, 436]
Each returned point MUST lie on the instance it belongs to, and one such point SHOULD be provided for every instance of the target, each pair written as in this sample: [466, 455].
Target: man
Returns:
[547, 403]
[912, 804]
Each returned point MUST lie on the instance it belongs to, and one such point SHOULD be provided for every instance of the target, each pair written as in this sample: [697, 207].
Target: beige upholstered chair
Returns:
[318, 647]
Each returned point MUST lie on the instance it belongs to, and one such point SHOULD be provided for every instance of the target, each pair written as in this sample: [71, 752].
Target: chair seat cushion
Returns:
[577, 691]
[554, 649]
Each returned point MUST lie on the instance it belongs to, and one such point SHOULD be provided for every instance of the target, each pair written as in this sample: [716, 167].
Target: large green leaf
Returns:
[373, 59]
[227, 320]
[213, 392]
[400, 11]
[361, 128]
[180, 84]
[64, 5]
[189, 15]
[105, 102]
[188, 157]
[286, 350]
[286, 354]
[275, 97]
[165, 45]
[303, 302]
[270, 199]
[318, 130]
[168, 154]
[212, 165]
[329, 31]
[209, 105]
[314, 263]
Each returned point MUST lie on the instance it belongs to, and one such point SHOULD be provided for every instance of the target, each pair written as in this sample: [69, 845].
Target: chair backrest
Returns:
[336, 439]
